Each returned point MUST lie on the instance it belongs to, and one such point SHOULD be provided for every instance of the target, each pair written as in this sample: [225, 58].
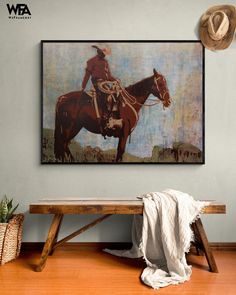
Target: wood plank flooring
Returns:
[86, 270]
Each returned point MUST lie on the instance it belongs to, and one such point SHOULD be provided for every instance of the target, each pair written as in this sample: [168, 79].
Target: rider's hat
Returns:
[217, 27]
[106, 50]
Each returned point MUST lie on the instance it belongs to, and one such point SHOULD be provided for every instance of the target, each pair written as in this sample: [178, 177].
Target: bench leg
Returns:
[204, 244]
[49, 242]
[56, 236]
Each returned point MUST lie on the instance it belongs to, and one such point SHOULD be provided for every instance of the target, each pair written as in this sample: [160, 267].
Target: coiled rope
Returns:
[113, 87]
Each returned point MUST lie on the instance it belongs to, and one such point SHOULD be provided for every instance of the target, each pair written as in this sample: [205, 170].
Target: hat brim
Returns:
[106, 51]
[224, 43]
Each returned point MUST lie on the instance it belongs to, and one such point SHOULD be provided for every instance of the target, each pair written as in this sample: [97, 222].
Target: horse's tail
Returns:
[59, 139]
[65, 106]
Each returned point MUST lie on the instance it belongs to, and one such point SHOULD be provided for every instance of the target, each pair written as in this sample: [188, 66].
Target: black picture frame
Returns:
[48, 135]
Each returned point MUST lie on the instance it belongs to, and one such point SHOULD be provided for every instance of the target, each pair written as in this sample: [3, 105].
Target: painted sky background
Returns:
[180, 63]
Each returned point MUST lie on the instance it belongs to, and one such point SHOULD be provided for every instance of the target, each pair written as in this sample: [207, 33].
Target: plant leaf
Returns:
[9, 216]
[6, 210]
[9, 205]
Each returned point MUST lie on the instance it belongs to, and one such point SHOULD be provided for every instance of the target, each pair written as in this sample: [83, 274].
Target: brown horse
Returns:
[75, 110]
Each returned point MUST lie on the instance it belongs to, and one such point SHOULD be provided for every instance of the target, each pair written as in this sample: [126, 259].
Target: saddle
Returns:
[108, 116]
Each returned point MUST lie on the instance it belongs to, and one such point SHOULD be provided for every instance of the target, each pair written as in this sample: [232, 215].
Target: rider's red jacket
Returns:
[98, 69]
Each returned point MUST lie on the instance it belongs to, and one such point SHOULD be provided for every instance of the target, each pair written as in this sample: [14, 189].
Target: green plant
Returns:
[6, 209]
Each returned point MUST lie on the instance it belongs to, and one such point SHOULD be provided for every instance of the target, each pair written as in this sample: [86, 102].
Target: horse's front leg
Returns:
[121, 149]
[122, 144]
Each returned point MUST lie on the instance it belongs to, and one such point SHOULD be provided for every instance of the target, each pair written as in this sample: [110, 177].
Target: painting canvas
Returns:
[122, 102]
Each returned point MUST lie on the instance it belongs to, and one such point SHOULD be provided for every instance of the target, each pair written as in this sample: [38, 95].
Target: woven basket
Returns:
[10, 238]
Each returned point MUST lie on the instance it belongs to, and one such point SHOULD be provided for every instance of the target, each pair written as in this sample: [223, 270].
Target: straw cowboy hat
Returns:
[217, 27]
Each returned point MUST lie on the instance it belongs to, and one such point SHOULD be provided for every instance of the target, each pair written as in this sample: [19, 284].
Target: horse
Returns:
[75, 110]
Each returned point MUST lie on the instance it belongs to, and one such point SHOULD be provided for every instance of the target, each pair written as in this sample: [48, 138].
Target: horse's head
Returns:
[160, 88]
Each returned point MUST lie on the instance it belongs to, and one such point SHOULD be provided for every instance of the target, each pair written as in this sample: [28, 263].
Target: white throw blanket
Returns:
[162, 236]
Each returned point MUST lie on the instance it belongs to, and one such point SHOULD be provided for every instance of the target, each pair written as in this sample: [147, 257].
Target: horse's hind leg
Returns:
[68, 153]
[70, 135]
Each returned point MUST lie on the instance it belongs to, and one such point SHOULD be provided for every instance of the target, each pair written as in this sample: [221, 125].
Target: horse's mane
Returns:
[137, 88]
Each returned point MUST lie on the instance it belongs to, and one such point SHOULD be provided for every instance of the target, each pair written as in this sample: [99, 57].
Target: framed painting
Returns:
[122, 102]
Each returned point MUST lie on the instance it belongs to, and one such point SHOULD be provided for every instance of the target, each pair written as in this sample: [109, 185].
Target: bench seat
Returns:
[104, 207]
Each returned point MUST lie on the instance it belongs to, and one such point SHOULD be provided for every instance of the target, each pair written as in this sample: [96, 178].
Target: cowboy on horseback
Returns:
[99, 71]
[74, 111]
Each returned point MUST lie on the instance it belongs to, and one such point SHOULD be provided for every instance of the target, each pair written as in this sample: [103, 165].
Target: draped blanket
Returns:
[162, 236]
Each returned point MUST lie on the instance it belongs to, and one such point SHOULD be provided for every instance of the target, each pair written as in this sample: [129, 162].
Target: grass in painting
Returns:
[179, 153]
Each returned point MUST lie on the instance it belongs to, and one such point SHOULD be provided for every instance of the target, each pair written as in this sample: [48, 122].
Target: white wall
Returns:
[22, 176]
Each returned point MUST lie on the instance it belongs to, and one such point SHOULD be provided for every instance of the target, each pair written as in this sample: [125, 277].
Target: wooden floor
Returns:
[87, 270]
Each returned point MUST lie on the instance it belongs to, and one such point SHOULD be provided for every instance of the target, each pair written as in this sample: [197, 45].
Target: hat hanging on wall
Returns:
[217, 27]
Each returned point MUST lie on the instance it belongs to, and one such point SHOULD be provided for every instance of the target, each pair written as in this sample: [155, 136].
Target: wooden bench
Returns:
[108, 208]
